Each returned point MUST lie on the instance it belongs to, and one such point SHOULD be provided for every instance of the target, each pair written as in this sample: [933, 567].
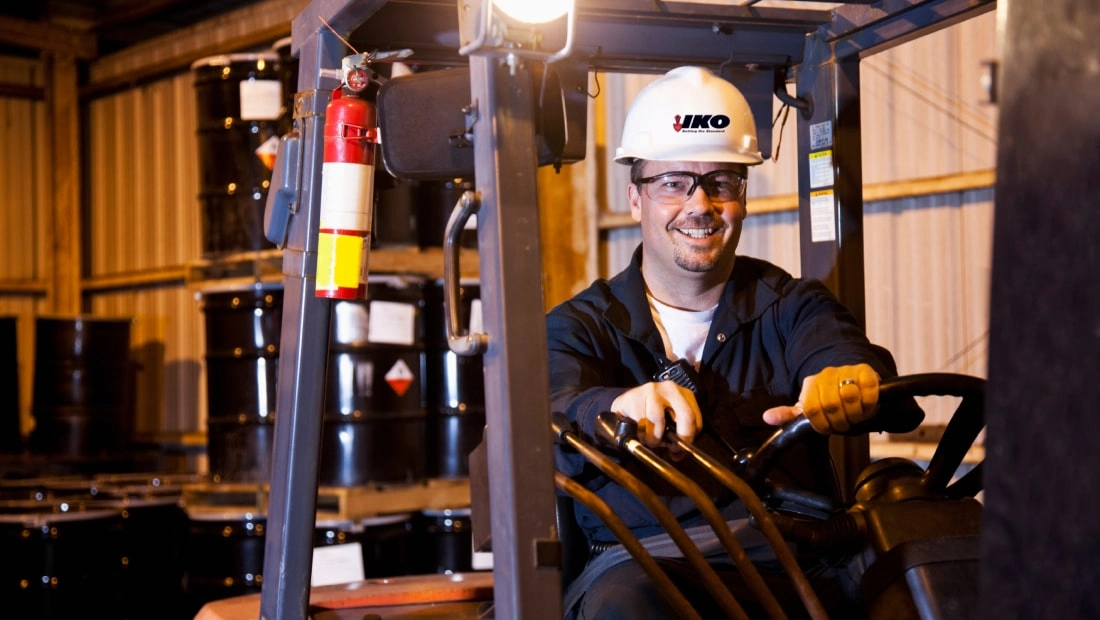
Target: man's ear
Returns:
[635, 198]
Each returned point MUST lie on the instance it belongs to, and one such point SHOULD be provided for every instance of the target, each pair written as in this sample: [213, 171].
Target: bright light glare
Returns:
[534, 11]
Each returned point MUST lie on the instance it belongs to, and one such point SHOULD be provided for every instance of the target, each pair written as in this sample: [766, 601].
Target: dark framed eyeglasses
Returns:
[673, 188]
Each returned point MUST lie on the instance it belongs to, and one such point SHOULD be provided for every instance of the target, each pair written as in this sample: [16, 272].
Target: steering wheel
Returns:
[966, 423]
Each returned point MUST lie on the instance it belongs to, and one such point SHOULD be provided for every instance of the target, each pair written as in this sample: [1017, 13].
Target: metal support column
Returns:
[1041, 525]
[526, 577]
[292, 507]
[830, 203]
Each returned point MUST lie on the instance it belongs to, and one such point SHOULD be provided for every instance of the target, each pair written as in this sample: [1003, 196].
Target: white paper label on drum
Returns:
[481, 560]
[391, 322]
[336, 564]
[261, 100]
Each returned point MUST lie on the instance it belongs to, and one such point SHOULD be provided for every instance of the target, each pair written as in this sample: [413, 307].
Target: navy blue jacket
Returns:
[769, 332]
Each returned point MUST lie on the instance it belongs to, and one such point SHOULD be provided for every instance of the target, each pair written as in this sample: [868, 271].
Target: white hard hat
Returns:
[689, 114]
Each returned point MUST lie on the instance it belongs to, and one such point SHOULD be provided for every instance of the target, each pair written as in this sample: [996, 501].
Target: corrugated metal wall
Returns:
[25, 155]
[144, 217]
[927, 258]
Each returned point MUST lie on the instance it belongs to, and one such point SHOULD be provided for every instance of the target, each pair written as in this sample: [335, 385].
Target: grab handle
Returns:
[458, 340]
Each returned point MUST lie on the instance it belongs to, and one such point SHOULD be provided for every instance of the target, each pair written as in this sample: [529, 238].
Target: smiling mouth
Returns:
[697, 233]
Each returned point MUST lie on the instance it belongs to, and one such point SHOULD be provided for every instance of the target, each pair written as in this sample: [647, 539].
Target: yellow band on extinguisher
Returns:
[339, 258]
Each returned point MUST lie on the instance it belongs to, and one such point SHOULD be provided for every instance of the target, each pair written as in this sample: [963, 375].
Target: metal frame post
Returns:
[526, 574]
[292, 504]
[830, 200]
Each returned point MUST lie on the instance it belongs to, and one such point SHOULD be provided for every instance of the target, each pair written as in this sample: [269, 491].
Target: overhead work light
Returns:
[517, 27]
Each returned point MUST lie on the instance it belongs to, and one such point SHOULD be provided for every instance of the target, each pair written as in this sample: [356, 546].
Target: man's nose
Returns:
[699, 202]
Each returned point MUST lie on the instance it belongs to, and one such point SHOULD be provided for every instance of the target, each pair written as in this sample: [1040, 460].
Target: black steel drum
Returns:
[446, 540]
[83, 387]
[395, 222]
[455, 385]
[60, 559]
[11, 434]
[385, 542]
[415, 212]
[151, 546]
[433, 202]
[387, 545]
[22, 489]
[242, 353]
[240, 104]
[374, 417]
[224, 555]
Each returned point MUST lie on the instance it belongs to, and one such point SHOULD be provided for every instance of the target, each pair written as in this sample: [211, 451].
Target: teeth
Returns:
[698, 233]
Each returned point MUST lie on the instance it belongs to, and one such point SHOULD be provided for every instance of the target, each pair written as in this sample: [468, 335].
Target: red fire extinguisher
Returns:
[347, 196]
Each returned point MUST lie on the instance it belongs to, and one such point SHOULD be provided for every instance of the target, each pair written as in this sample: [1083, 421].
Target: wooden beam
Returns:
[64, 219]
[966, 181]
[244, 29]
[22, 91]
[29, 288]
[143, 279]
[249, 268]
[48, 38]
[877, 192]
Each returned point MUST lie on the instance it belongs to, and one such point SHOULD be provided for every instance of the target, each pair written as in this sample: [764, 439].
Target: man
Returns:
[765, 347]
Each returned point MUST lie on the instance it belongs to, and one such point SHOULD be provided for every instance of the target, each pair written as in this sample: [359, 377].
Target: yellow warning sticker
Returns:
[338, 260]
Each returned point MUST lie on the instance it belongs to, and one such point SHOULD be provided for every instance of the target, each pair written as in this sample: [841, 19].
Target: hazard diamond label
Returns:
[267, 152]
[399, 377]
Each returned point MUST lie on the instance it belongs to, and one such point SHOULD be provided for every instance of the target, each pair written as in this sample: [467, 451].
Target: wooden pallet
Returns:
[216, 497]
[360, 502]
[333, 503]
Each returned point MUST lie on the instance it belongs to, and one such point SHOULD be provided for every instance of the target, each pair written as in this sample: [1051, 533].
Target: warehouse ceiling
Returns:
[114, 24]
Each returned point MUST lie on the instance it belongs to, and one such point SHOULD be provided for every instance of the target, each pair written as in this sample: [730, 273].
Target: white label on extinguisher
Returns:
[347, 196]
[261, 100]
[392, 322]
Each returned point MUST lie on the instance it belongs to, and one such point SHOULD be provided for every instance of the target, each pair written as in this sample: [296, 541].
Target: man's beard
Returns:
[694, 261]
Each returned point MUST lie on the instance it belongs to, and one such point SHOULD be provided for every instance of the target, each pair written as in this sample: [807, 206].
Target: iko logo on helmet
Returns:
[702, 122]
[689, 114]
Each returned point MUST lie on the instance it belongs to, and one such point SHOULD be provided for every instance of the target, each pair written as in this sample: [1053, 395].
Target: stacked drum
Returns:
[399, 409]
[244, 104]
[11, 434]
[240, 104]
[455, 394]
[375, 421]
[386, 542]
[83, 384]
[243, 329]
[59, 558]
[78, 544]
[224, 556]
[225, 549]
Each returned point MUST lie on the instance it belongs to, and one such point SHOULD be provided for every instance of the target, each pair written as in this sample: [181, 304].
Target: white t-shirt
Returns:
[684, 332]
